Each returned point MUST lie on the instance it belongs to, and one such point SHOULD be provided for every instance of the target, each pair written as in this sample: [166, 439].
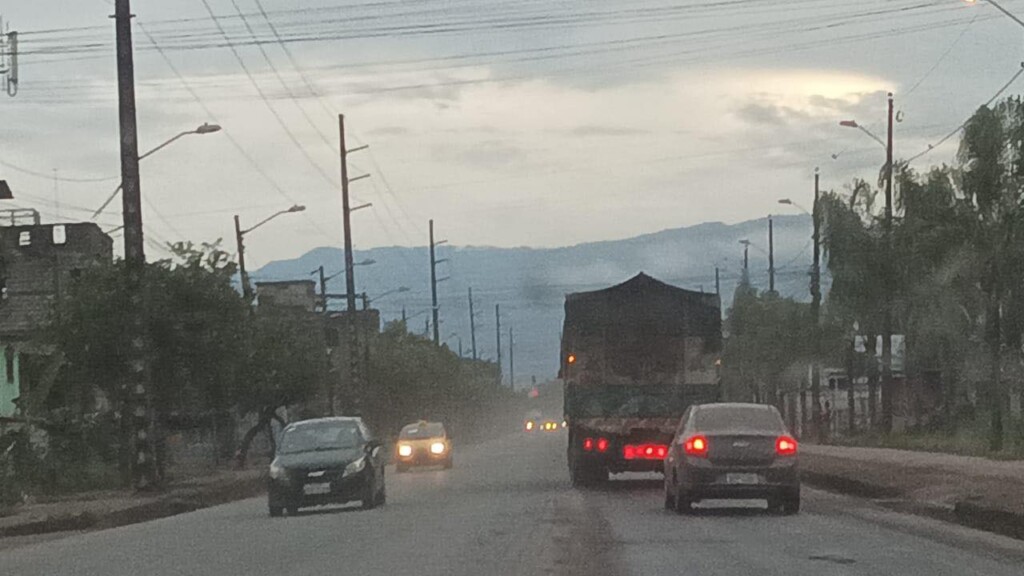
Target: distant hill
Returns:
[530, 284]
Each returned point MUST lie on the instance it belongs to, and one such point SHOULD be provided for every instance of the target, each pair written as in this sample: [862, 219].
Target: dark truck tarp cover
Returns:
[636, 331]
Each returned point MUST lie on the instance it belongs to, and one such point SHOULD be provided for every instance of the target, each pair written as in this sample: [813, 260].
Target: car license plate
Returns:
[742, 479]
[314, 489]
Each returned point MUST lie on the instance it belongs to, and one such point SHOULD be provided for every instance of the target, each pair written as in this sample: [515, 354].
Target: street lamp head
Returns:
[786, 201]
[403, 289]
[367, 262]
[208, 128]
[297, 208]
[849, 124]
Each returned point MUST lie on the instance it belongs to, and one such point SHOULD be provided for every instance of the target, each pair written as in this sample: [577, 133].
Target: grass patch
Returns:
[968, 440]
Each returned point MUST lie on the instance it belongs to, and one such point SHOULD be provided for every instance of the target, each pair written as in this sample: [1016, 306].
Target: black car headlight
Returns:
[355, 467]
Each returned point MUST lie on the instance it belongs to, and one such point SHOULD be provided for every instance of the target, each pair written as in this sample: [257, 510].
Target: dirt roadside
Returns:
[99, 510]
[976, 492]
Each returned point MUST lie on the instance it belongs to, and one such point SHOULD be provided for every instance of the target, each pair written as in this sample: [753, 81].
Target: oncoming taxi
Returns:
[423, 444]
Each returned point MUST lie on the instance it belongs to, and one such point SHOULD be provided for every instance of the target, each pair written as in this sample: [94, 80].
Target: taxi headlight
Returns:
[404, 450]
[437, 448]
[355, 467]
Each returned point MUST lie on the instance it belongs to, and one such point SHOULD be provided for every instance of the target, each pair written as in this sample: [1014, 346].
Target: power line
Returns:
[252, 162]
[266, 100]
[957, 130]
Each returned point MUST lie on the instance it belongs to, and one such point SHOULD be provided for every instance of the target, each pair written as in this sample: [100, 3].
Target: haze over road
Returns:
[507, 508]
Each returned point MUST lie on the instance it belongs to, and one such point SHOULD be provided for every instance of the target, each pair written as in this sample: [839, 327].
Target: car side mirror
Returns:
[372, 445]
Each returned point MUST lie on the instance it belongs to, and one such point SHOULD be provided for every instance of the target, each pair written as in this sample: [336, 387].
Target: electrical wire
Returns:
[234, 142]
[263, 96]
[944, 139]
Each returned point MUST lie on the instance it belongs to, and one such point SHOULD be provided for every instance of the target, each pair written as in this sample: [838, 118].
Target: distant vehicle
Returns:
[423, 444]
[326, 461]
[634, 357]
[532, 421]
[732, 451]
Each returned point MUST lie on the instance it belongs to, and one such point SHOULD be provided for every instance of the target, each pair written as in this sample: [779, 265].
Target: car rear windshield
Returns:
[738, 418]
[320, 436]
[422, 431]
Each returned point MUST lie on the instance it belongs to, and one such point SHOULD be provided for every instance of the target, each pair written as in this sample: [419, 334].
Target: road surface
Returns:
[507, 508]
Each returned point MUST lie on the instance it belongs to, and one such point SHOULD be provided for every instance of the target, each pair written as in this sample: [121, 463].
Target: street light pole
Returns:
[240, 241]
[206, 128]
[887, 391]
[816, 307]
[242, 274]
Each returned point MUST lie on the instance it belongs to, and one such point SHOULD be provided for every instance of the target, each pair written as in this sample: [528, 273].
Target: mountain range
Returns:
[529, 284]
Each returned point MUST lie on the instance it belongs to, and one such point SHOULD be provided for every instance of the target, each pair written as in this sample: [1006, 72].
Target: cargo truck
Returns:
[633, 357]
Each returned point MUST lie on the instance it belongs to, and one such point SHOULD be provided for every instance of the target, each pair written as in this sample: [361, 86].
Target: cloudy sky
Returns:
[510, 122]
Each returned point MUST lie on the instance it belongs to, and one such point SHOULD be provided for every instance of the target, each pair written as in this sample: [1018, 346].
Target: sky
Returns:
[509, 122]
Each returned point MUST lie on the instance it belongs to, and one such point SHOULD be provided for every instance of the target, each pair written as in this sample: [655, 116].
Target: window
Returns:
[60, 234]
[25, 238]
[9, 363]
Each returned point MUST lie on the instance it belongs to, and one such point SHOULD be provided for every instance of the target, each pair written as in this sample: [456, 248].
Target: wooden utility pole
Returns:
[323, 289]
[815, 310]
[472, 324]
[346, 217]
[718, 284]
[887, 391]
[771, 255]
[497, 331]
[433, 287]
[511, 359]
[137, 414]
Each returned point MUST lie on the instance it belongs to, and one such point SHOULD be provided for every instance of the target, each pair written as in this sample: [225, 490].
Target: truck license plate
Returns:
[742, 479]
[314, 489]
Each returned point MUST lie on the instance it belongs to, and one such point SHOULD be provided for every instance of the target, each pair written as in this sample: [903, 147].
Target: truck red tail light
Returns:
[588, 444]
[644, 452]
[602, 444]
[696, 446]
[785, 446]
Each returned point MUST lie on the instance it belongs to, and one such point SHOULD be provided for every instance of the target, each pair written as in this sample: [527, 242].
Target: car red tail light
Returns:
[602, 444]
[785, 446]
[644, 452]
[588, 444]
[696, 446]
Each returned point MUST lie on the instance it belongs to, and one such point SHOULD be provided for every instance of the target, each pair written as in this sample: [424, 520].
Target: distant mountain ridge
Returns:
[530, 283]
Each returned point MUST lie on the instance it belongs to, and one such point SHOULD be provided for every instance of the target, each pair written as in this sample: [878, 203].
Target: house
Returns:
[38, 263]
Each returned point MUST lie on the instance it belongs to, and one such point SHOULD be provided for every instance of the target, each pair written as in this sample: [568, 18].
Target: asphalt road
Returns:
[507, 508]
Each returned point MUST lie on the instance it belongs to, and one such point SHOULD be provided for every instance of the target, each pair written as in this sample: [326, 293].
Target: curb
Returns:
[964, 512]
[178, 501]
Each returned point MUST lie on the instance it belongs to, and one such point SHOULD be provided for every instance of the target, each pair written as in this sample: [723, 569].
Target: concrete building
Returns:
[38, 264]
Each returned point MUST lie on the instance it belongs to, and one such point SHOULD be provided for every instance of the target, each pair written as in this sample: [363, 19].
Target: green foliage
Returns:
[769, 337]
[410, 379]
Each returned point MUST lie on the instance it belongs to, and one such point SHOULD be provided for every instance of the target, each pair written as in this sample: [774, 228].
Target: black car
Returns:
[326, 461]
[732, 451]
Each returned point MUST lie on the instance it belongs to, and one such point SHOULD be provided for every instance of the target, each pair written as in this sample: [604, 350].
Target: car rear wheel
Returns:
[791, 505]
[293, 510]
[401, 468]
[448, 463]
[670, 500]
[276, 511]
[683, 502]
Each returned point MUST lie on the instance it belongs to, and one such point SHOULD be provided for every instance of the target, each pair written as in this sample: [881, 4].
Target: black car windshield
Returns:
[320, 436]
[738, 418]
[422, 432]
